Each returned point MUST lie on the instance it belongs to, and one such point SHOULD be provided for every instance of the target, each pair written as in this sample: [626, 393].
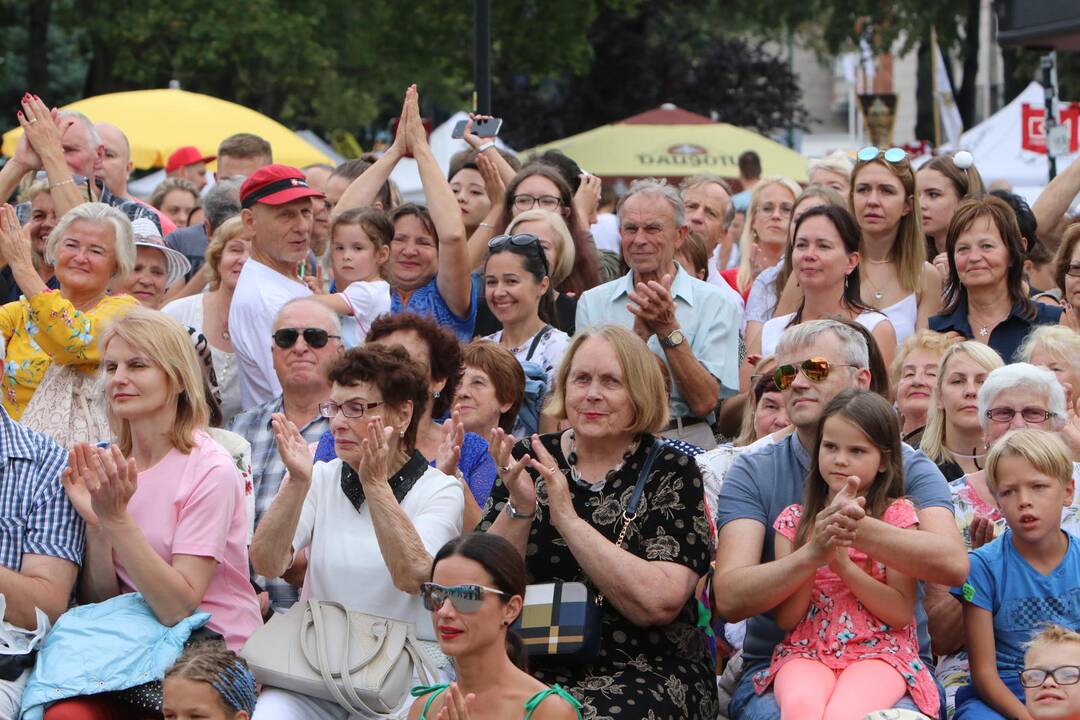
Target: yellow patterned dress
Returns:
[45, 329]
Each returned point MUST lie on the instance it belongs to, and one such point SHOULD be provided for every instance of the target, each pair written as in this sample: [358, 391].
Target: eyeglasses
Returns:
[528, 202]
[464, 598]
[315, 338]
[521, 240]
[1032, 415]
[815, 369]
[352, 409]
[892, 155]
[1064, 675]
[1073, 270]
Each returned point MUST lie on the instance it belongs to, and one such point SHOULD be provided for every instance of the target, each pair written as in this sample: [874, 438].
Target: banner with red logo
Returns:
[1033, 117]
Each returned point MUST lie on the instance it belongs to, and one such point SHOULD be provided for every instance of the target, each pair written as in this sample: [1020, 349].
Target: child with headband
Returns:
[209, 681]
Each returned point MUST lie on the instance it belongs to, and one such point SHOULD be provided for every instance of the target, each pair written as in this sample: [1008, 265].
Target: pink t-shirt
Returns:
[194, 505]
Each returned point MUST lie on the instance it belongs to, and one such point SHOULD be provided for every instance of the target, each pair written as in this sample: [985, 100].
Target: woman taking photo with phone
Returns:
[476, 591]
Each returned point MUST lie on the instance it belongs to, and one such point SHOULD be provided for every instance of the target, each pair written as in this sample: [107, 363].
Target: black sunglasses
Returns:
[521, 240]
[315, 338]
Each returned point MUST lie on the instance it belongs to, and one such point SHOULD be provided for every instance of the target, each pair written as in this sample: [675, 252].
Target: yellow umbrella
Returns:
[635, 150]
[157, 122]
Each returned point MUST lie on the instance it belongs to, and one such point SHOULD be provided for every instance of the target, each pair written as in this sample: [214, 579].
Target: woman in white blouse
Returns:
[825, 259]
[208, 312]
[373, 518]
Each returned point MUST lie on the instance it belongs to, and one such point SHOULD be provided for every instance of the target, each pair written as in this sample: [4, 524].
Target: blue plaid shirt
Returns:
[35, 515]
[267, 471]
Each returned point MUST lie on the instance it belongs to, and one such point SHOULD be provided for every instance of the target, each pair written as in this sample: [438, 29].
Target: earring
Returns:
[435, 395]
[506, 623]
[401, 434]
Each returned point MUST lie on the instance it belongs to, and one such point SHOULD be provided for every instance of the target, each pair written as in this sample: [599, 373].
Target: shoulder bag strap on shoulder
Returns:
[643, 477]
[536, 341]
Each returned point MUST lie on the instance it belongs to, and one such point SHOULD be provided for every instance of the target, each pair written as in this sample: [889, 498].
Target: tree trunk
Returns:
[965, 99]
[37, 48]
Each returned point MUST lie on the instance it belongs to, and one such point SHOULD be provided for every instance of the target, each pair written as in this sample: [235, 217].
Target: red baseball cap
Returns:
[275, 185]
[187, 155]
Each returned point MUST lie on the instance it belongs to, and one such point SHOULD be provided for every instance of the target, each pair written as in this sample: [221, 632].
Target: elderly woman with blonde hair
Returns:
[90, 246]
[208, 312]
[606, 503]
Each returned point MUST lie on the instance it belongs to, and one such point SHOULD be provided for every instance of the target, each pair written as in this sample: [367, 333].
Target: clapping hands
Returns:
[99, 482]
[836, 525]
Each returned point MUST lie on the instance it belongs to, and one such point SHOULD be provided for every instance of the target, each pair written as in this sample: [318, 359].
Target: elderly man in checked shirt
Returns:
[302, 371]
[41, 542]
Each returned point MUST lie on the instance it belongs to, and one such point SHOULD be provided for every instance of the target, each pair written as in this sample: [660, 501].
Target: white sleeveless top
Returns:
[771, 332]
[903, 316]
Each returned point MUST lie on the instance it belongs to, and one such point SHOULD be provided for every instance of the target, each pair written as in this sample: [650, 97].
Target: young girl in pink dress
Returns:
[851, 646]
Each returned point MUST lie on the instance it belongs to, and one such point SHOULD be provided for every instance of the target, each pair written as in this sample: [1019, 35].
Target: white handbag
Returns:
[362, 662]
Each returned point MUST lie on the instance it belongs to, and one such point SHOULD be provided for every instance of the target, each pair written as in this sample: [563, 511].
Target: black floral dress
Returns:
[641, 672]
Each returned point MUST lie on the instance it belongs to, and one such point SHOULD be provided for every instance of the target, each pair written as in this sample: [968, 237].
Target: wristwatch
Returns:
[514, 513]
[674, 339]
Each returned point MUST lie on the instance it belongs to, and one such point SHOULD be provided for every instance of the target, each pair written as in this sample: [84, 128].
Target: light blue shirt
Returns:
[707, 317]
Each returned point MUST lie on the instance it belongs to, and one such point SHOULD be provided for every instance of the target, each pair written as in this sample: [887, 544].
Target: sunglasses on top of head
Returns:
[891, 155]
[520, 240]
[464, 598]
[315, 338]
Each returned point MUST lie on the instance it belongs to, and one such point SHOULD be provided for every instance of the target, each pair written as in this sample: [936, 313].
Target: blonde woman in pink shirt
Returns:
[164, 505]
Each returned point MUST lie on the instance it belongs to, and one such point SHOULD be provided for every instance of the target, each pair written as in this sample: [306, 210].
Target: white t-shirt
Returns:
[548, 353]
[189, 311]
[605, 232]
[260, 293]
[345, 563]
[773, 329]
[368, 299]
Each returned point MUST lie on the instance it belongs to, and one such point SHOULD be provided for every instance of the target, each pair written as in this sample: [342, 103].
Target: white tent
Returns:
[997, 145]
[406, 175]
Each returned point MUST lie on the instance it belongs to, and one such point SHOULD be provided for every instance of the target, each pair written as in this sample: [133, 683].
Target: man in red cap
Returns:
[275, 206]
[188, 163]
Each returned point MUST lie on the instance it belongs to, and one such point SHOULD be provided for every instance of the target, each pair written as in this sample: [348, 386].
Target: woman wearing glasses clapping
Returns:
[373, 517]
[896, 278]
[476, 592]
[517, 287]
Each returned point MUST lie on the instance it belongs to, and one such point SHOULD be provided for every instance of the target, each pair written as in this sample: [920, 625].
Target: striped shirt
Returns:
[36, 517]
[267, 472]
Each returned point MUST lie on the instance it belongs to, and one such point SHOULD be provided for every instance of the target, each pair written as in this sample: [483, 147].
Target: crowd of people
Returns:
[277, 444]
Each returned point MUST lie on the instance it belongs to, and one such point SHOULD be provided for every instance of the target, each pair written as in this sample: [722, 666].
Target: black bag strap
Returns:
[643, 477]
[536, 341]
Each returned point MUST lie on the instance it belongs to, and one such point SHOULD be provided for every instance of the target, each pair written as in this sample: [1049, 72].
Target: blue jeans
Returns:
[970, 707]
[747, 705]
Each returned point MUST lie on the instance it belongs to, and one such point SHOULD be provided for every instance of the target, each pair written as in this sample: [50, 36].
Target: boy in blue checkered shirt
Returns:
[1027, 577]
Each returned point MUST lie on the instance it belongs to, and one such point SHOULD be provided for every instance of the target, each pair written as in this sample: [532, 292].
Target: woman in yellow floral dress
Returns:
[90, 246]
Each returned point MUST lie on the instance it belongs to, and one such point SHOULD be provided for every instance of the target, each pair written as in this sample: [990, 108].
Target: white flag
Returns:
[951, 124]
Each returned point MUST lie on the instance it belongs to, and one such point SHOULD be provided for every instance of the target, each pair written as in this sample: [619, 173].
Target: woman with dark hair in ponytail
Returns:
[517, 287]
[476, 591]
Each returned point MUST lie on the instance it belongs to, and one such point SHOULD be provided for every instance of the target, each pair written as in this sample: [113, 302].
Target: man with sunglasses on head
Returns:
[306, 344]
[692, 325]
[815, 361]
[276, 209]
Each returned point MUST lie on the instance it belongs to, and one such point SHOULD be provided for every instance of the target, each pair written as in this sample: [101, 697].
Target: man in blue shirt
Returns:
[749, 581]
[691, 325]
[41, 544]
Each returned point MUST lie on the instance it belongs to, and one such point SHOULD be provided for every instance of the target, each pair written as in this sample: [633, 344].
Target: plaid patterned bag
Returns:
[563, 618]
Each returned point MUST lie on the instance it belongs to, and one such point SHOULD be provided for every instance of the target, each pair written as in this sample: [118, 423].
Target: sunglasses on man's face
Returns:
[464, 598]
[815, 369]
[315, 338]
